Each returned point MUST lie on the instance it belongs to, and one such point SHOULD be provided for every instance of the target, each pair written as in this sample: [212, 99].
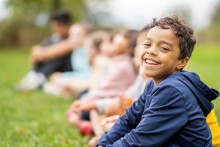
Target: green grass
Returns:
[206, 62]
[31, 118]
[36, 119]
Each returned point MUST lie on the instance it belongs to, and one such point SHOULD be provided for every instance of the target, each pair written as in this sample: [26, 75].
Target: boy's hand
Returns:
[108, 122]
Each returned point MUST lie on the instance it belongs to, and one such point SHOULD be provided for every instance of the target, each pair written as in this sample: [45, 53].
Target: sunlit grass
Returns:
[31, 118]
[206, 62]
[36, 119]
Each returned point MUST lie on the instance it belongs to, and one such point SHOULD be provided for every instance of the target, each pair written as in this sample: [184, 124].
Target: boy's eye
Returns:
[147, 44]
[163, 49]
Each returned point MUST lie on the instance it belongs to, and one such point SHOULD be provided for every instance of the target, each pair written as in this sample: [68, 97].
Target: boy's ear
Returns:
[182, 63]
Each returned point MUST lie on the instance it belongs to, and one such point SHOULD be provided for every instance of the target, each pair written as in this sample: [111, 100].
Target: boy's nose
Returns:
[151, 50]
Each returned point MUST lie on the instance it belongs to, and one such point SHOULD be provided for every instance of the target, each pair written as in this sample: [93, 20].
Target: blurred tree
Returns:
[75, 6]
[216, 16]
[183, 11]
[100, 16]
[28, 20]
[212, 32]
[56, 4]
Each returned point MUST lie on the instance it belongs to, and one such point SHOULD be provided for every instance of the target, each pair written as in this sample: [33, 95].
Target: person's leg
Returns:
[85, 116]
[38, 75]
[95, 120]
[60, 64]
[31, 81]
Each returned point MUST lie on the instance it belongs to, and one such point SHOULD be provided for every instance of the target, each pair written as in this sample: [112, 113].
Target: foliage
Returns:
[37, 119]
[181, 11]
[216, 16]
[212, 32]
[33, 7]
[20, 26]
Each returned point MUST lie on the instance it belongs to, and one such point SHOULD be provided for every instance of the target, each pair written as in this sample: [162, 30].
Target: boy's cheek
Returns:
[142, 52]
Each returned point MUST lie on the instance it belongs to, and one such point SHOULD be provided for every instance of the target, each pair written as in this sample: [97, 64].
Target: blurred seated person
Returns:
[98, 60]
[120, 75]
[60, 24]
[118, 104]
[133, 91]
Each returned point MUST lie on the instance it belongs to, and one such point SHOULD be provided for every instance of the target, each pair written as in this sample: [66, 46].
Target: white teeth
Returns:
[150, 61]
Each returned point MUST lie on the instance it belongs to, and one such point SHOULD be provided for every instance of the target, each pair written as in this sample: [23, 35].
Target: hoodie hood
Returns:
[202, 92]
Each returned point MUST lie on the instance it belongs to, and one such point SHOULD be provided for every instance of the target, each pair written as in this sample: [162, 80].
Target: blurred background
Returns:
[20, 17]
[37, 119]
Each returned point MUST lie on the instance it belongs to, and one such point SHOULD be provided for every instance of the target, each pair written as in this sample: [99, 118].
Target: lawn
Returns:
[31, 118]
[206, 62]
[37, 119]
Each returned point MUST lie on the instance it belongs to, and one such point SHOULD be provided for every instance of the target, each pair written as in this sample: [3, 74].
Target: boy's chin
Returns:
[147, 73]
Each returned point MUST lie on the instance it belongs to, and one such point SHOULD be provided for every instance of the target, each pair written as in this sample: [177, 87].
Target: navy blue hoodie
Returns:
[171, 113]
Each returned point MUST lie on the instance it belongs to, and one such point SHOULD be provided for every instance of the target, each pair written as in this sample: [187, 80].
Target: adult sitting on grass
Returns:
[60, 24]
[172, 109]
[90, 63]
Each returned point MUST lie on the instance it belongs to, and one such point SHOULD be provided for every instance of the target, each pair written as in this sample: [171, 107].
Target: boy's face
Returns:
[160, 54]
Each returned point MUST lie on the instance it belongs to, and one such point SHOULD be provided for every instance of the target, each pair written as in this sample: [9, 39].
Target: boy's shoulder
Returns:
[185, 82]
[180, 81]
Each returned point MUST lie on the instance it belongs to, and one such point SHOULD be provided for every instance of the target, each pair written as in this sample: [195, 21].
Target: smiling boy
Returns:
[172, 109]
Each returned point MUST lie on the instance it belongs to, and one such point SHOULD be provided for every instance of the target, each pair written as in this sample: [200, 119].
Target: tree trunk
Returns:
[56, 4]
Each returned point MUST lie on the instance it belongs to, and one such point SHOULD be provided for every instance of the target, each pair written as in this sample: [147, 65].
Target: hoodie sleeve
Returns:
[164, 116]
[125, 123]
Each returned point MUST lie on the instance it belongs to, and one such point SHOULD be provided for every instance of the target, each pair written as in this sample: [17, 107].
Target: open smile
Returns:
[151, 62]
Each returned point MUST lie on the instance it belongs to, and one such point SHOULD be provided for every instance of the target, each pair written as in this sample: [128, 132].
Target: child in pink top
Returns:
[119, 77]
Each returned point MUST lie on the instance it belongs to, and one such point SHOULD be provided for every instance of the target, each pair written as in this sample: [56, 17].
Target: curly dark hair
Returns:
[183, 32]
